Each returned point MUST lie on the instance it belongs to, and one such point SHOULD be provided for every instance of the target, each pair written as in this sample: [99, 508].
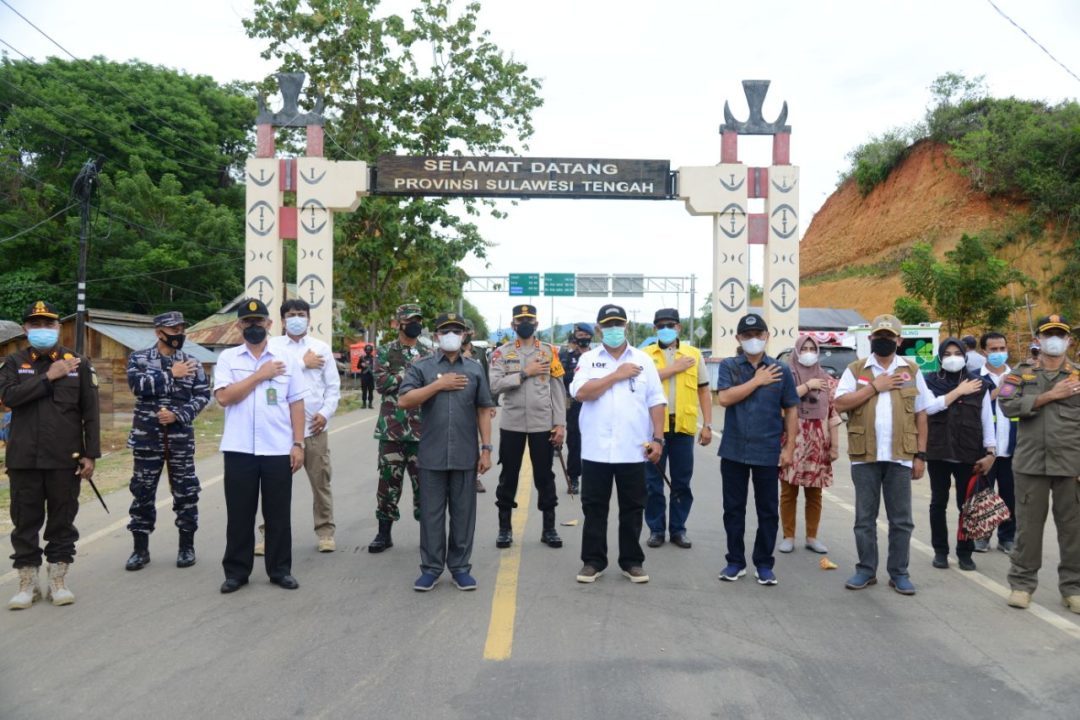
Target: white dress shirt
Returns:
[1002, 424]
[924, 402]
[259, 424]
[323, 384]
[616, 426]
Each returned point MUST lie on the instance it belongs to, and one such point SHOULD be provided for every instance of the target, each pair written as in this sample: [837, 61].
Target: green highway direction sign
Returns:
[559, 284]
[526, 284]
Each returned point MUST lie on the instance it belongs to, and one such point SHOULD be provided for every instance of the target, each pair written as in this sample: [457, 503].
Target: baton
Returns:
[100, 499]
[562, 464]
[657, 465]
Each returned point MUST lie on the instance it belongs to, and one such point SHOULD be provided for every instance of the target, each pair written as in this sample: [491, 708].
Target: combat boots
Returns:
[58, 592]
[549, 537]
[29, 592]
[140, 557]
[382, 540]
[506, 536]
[185, 557]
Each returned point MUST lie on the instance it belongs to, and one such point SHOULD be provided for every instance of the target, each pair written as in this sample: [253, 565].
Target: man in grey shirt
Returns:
[455, 400]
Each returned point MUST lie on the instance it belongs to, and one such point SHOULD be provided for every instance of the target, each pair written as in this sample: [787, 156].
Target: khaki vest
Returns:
[862, 438]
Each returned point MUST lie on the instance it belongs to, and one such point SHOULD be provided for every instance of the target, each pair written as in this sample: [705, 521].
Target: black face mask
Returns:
[525, 330]
[412, 330]
[174, 341]
[254, 334]
[583, 342]
[882, 346]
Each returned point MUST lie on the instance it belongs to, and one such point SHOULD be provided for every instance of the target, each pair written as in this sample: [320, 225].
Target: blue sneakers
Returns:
[765, 576]
[859, 581]
[732, 573]
[427, 581]
[464, 581]
[902, 585]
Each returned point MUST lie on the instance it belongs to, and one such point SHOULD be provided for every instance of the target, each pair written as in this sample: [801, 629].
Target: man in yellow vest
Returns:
[686, 385]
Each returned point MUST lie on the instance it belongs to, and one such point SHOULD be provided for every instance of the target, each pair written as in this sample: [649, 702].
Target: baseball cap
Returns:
[610, 312]
[751, 322]
[252, 308]
[171, 318]
[669, 314]
[407, 311]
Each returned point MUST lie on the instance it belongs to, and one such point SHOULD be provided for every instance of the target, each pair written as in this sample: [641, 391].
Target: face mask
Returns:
[1054, 345]
[667, 335]
[413, 329]
[614, 336]
[525, 330]
[296, 325]
[953, 363]
[808, 359]
[583, 342]
[174, 341]
[43, 338]
[997, 359]
[753, 346]
[450, 342]
[882, 346]
[254, 334]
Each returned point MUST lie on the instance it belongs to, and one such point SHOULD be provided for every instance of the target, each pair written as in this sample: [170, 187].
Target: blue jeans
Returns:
[678, 458]
[736, 481]
[872, 480]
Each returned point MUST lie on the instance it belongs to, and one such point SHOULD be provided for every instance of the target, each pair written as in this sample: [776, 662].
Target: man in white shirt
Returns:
[622, 428]
[996, 347]
[324, 391]
[262, 391]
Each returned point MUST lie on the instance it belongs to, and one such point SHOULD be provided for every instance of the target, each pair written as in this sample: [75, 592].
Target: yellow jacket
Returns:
[686, 386]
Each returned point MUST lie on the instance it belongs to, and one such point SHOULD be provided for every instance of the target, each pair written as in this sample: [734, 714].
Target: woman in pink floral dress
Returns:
[815, 449]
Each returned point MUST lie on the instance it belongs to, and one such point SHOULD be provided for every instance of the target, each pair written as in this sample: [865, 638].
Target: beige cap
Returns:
[886, 322]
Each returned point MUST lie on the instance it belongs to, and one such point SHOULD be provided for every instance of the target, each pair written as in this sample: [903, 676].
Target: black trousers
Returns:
[49, 498]
[944, 476]
[367, 388]
[573, 440]
[541, 454]
[596, 481]
[245, 477]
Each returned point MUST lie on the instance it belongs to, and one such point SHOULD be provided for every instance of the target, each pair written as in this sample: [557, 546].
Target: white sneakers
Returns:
[29, 592]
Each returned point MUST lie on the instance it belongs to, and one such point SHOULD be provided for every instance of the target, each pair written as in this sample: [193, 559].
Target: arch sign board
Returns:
[721, 191]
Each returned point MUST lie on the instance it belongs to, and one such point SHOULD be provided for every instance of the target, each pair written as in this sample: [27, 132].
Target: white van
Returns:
[917, 341]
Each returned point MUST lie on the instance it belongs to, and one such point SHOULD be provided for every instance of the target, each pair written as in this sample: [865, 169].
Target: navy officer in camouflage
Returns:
[170, 389]
[397, 430]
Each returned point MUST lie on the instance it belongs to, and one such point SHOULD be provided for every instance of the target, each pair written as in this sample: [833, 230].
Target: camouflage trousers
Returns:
[395, 458]
[149, 463]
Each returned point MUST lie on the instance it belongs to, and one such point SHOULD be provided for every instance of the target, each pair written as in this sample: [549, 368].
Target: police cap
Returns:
[524, 311]
[40, 309]
[252, 308]
[1054, 322]
[445, 320]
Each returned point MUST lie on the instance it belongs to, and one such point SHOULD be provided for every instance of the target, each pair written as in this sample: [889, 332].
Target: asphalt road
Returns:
[355, 641]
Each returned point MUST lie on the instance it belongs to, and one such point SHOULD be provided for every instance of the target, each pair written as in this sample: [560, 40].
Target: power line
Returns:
[26, 286]
[32, 227]
[1014, 24]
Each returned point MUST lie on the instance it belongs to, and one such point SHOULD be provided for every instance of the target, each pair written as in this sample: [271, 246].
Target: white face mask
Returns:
[449, 342]
[953, 363]
[1054, 345]
[753, 346]
[808, 359]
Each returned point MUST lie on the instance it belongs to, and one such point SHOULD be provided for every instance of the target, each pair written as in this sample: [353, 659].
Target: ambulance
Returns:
[916, 341]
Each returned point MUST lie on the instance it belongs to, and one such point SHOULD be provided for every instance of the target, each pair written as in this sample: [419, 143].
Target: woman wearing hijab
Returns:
[816, 447]
[961, 442]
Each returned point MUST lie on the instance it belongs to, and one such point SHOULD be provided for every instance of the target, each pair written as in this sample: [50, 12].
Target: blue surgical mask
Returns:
[667, 335]
[614, 336]
[296, 325]
[43, 338]
[997, 359]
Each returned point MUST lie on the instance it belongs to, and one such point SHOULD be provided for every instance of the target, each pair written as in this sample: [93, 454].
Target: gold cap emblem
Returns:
[39, 307]
[253, 305]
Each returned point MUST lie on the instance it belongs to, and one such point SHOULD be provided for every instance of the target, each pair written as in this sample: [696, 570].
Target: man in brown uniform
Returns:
[1046, 399]
[55, 438]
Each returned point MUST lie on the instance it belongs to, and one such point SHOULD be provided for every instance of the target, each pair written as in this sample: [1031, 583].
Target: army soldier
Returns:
[581, 338]
[1046, 399]
[170, 390]
[55, 438]
[397, 430]
[528, 376]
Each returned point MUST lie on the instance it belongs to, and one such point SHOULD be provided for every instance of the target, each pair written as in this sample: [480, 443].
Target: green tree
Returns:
[964, 290]
[430, 83]
[910, 311]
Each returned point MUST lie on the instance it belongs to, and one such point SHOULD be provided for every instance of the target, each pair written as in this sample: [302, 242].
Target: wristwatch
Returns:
[658, 441]
[489, 448]
[920, 456]
[298, 445]
[707, 425]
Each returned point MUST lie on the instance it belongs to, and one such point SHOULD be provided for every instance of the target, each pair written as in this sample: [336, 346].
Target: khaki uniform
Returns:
[1046, 462]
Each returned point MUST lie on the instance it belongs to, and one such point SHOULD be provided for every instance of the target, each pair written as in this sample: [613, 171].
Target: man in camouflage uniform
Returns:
[170, 389]
[397, 430]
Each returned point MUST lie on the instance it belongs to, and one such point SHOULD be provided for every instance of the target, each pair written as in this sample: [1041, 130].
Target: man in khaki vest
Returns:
[1046, 399]
[886, 400]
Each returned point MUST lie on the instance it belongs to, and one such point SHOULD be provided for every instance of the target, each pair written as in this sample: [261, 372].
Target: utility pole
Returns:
[85, 183]
[693, 338]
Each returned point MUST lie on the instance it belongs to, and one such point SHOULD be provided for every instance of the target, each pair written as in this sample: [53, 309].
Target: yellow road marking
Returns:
[500, 635]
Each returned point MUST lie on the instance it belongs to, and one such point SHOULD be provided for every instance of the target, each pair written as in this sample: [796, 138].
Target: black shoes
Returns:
[231, 585]
[285, 581]
[382, 540]
[941, 561]
[655, 540]
[681, 540]
[185, 557]
[549, 537]
[505, 537]
[965, 563]
[140, 557]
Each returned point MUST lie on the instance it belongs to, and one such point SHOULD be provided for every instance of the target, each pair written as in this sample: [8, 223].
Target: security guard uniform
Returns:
[569, 357]
[532, 408]
[1046, 461]
[54, 423]
[150, 377]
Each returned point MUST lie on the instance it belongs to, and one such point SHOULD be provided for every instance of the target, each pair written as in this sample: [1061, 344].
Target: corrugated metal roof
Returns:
[9, 329]
[140, 338]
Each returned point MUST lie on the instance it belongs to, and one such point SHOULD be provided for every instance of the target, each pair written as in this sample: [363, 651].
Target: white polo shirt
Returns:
[924, 401]
[616, 426]
[260, 423]
[323, 384]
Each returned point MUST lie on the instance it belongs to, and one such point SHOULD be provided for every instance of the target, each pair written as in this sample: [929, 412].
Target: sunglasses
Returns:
[666, 326]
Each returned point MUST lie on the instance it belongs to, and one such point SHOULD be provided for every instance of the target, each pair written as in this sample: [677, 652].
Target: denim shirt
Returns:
[754, 427]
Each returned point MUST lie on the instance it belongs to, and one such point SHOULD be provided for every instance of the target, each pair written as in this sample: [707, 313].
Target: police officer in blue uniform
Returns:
[170, 389]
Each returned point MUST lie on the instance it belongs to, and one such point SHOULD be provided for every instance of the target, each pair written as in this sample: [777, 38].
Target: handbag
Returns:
[983, 510]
